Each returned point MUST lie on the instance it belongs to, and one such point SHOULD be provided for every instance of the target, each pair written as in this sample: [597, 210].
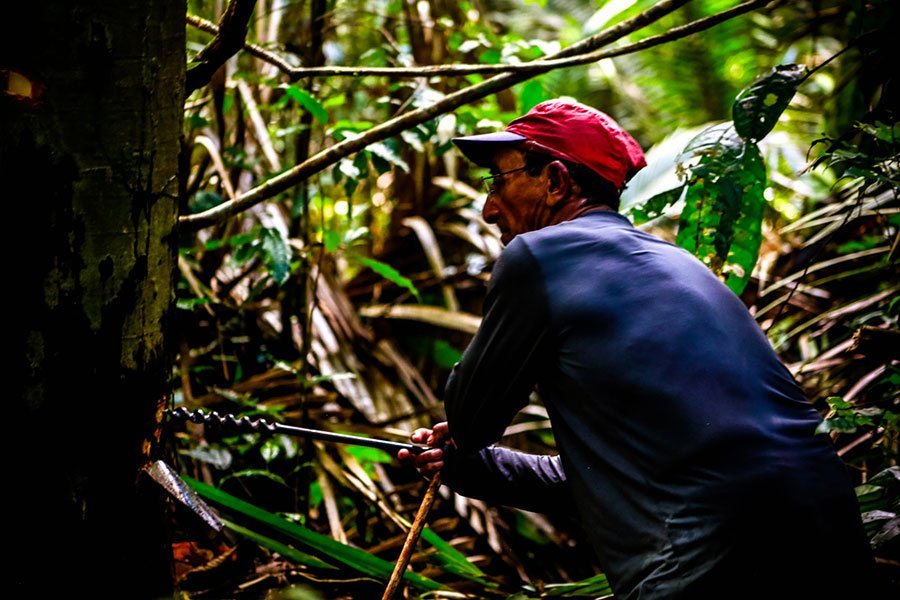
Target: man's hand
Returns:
[429, 462]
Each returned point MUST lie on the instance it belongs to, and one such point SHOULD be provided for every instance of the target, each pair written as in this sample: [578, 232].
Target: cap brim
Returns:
[480, 149]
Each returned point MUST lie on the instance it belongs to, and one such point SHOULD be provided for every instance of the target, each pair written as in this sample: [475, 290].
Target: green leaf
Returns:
[451, 559]
[885, 132]
[190, 303]
[757, 108]
[369, 455]
[335, 101]
[491, 56]
[270, 450]
[361, 162]
[354, 558]
[255, 473]
[331, 239]
[414, 139]
[305, 99]
[315, 494]
[721, 223]
[532, 94]
[383, 151]
[204, 200]
[592, 586]
[277, 253]
[527, 530]
[243, 252]
[389, 273]
[301, 558]
[655, 206]
[196, 121]
[445, 355]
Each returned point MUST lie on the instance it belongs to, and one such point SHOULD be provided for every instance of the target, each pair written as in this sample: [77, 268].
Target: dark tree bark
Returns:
[90, 118]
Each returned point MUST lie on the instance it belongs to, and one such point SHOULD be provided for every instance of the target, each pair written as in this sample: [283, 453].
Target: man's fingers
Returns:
[420, 435]
[430, 461]
[439, 434]
[431, 468]
[429, 456]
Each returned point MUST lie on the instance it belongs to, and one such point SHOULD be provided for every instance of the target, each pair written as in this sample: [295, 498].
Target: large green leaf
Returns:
[357, 559]
[289, 552]
[757, 108]
[721, 222]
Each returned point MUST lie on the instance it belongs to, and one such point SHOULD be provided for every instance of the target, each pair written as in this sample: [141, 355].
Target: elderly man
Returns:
[685, 447]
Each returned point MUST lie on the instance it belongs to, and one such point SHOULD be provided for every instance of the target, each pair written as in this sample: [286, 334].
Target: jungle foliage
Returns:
[342, 301]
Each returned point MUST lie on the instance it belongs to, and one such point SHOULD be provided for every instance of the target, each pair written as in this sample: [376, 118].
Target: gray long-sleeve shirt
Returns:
[678, 428]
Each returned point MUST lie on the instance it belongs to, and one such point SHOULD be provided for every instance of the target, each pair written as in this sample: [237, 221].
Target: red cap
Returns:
[569, 131]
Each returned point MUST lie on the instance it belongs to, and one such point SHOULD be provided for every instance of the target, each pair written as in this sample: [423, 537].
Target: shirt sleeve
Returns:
[504, 476]
[501, 366]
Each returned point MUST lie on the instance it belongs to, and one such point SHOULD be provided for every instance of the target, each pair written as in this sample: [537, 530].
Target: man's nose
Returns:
[489, 213]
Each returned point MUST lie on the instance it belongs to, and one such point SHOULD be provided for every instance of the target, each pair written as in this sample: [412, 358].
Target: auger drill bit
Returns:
[247, 425]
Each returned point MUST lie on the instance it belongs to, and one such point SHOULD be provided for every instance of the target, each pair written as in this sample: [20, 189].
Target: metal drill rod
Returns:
[248, 425]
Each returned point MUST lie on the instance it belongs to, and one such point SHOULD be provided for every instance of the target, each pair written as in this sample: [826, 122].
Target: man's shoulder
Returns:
[595, 226]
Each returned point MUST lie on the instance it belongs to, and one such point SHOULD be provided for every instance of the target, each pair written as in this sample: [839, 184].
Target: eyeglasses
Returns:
[490, 186]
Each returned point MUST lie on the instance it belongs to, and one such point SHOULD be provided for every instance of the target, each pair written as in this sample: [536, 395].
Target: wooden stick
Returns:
[412, 537]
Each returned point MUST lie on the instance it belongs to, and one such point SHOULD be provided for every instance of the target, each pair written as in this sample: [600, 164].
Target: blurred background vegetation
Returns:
[342, 303]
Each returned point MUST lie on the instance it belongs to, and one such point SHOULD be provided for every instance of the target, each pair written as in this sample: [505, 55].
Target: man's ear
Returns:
[559, 183]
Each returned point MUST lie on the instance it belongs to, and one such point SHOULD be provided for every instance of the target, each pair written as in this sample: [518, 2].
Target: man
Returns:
[685, 447]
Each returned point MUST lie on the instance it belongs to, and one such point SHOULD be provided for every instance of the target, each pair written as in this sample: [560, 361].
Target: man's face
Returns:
[516, 204]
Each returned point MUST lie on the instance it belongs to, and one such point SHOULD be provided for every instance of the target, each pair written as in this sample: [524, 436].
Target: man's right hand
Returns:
[429, 462]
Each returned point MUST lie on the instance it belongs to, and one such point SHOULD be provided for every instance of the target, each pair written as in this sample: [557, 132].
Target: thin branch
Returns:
[536, 67]
[257, 51]
[333, 154]
[232, 31]
[259, 126]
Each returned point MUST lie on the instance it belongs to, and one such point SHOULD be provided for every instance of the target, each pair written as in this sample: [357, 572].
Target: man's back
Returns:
[689, 449]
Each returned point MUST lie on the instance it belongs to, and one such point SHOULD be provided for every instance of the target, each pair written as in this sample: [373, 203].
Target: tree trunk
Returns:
[90, 119]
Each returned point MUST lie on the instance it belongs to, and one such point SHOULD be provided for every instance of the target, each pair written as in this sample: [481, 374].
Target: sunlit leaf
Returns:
[331, 239]
[305, 99]
[349, 169]
[655, 206]
[757, 108]
[270, 450]
[389, 273]
[384, 152]
[369, 455]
